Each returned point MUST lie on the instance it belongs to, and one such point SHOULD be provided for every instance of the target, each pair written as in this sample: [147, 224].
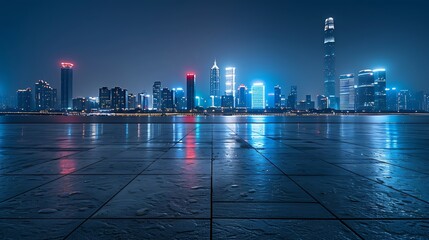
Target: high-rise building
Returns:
[322, 102]
[380, 100]
[24, 97]
[392, 99]
[404, 100]
[277, 96]
[180, 99]
[143, 100]
[227, 101]
[132, 101]
[365, 91]
[329, 64]
[156, 95]
[347, 92]
[292, 98]
[45, 96]
[230, 83]
[306, 104]
[119, 98]
[66, 85]
[190, 91]
[242, 96]
[79, 104]
[215, 85]
[105, 98]
[167, 99]
[258, 96]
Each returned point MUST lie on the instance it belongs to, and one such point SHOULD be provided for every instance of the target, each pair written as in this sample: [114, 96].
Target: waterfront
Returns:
[247, 177]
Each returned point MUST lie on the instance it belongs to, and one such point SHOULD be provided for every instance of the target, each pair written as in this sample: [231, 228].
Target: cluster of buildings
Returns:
[365, 92]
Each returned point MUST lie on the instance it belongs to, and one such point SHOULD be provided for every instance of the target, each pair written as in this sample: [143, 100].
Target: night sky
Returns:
[131, 44]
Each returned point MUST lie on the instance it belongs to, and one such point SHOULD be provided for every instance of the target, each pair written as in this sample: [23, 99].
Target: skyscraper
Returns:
[292, 98]
[365, 91]
[258, 96]
[329, 63]
[66, 85]
[230, 83]
[277, 96]
[167, 99]
[156, 94]
[24, 97]
[347, 92]
[180, 99]
[215, 85]
[190, 91]
[392, 99]
[119, 98]
[44, 96]
[242, 96]
[105, 98]
[132, 101]
[380, 100]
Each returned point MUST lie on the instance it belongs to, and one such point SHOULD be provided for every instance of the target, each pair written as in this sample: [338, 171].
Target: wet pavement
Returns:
[219, 180]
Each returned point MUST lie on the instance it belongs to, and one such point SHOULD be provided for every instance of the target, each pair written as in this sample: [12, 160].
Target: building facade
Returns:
[66, 86]
[329, 64]
[45, 96]
[190, 91]
[215, 85]
[347, 92]
[365, 91]
[230, 83]
[258, 96]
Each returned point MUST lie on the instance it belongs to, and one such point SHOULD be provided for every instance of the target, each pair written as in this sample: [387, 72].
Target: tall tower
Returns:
[258, 96]
[347, 92]
[66, 85]
[190, 91]
[215, 85]
[230, 83]
[329, 62]
[380, 99]
[365, 91]
[156, 93]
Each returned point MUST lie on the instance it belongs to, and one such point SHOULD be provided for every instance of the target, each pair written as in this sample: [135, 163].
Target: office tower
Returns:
[329, 63]
[66, 86]
[230, 83]
[365, 91]
[277, 96]
[306, 104]
[180, 99]
[132, 101]
[156, 95]
[190, 91]
[404, 100]
[322, 102]
[270, 100]
[347, 92]
[24, 97]
[45, 96]
[143, 101]
[79, 104]
[258, 96]
[119, 98]
[166, 99]
[215, 85]
[105, 98]
[380, 101]
[242, 96]
[227, 101]
[392, 99]
[292, 98]
[283, 101]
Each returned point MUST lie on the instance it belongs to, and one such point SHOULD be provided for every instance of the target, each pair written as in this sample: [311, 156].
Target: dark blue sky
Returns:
[134, 43]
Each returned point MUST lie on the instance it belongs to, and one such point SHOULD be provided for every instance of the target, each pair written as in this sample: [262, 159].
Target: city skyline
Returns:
[294, 62]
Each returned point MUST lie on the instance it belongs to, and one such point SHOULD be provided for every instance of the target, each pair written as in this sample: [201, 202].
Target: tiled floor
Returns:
[220, 181]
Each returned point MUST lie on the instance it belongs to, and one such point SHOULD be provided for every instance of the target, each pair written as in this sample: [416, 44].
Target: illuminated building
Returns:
[277, 96]
[132, 101]
[392, 99]
[215, 85]
[242, 96]
[258, 96]
[180, 99]
[156, 95]
[119, 98]
[329, 64]
[347, 92]
[230, 83]
[24, 97]
[380, 100]
[166, 99]
[45, 96]
[105, 98]
[292, 98]
[365, 91]
[66, 85]
[190, 91]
